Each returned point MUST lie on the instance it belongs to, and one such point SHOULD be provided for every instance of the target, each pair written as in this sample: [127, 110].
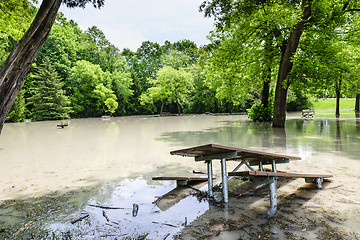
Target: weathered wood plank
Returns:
[279, 174]
[215, 149]
[181, 178]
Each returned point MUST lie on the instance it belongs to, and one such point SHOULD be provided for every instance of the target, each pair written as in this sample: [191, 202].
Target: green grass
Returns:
[331, 103]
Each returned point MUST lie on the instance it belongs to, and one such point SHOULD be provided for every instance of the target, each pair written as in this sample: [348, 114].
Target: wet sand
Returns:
[38, 159]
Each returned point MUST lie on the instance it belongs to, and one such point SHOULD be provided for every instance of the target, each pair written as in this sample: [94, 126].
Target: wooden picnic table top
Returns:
[215, 149]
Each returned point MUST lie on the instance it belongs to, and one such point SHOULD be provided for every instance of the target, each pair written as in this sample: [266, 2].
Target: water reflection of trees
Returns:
[322, 135]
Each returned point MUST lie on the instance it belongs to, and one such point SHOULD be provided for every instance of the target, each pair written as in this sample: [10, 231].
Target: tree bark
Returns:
[19, 62]
[286, 64]
[337, 91]
[357, 102]
[266, 90]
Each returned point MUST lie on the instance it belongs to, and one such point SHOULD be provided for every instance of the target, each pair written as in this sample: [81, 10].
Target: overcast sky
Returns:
[128, 23]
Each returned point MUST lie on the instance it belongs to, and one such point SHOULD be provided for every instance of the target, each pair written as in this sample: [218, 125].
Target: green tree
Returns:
[121, 84]
[83, 79]
[170, 85]
[15, 18]
[288, 20]
[17, 113]
[18, 63]
[49, 100]
[106, 99]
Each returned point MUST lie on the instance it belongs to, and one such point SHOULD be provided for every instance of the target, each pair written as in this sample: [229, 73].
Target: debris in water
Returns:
[135, 210]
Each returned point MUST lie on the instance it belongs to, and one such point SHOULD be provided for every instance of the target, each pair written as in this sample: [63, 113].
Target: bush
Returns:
[298, 101]
[259, 113]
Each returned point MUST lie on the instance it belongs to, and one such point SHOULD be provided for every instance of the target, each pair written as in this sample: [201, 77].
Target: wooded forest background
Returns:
[80, 74]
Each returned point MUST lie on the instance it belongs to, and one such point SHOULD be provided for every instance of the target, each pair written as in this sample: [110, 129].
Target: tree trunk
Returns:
[267, 70]
[230, 107]
[265, 92]
[286, 64]
[162, 106]
[178, 106]
[337, 90]
[357, 102]
[19, 62]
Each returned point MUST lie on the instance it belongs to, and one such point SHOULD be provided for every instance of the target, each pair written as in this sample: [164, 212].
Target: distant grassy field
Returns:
[326, 108]
[330, 103]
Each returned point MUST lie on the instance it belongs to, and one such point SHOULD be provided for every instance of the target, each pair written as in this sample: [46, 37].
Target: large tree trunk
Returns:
[286, 64]
[357, 102]
[18, 63]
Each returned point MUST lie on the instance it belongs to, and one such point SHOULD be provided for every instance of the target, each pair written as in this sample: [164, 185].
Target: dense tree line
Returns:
[248, 63]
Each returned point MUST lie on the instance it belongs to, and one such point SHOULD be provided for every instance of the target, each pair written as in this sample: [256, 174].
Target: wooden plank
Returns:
[279, 174]
[181, 178]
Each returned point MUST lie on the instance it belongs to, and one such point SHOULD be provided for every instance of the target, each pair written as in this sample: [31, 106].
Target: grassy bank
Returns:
[330, 103]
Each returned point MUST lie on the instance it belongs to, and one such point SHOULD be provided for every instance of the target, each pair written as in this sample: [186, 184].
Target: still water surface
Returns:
[111, 163]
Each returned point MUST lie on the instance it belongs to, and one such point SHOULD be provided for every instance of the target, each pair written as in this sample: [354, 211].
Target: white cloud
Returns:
[128, 23]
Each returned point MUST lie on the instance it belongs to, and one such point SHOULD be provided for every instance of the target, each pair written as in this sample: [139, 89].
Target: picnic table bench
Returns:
[307, 113]
[248, 158]
[183, 181]
[309, 178]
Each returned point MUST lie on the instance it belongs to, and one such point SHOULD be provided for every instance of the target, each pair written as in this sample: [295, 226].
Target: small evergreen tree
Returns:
[49, 100]
[17, 113]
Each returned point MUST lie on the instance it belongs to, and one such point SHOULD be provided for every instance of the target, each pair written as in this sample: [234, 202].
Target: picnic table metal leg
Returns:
[273, 164]
[210, 178]
[224, 180]
[273, 200]
[261, 168]
[272, 186]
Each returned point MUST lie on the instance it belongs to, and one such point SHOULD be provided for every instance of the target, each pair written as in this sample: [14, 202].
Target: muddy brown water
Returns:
[59, 174]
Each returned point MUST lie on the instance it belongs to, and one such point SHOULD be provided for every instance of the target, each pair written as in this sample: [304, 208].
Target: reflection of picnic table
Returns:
[249, 158]
[307, 113]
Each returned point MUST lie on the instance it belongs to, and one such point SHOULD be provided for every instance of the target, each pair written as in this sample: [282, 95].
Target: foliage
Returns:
[227, 75]
[17, 113]
[170, 85]
[83, 79]
[15, 18]
[105, 98]
[49, 100]
[298, 101]
[259, 113]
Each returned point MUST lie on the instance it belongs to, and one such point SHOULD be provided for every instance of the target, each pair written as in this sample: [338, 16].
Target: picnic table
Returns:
[249, 158]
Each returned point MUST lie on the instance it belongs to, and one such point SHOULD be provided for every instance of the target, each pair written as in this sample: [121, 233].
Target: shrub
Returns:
[259, 113]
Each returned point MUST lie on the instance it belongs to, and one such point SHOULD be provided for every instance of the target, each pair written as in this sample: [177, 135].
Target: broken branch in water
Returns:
[135, 210]
[105, 216]
[166, 224]
[105, 207]
[79, 218]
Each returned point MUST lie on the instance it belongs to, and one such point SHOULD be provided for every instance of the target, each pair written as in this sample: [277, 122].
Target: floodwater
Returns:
[102, 169]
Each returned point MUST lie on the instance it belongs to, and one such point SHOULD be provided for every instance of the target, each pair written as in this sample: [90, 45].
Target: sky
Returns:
[126, 24]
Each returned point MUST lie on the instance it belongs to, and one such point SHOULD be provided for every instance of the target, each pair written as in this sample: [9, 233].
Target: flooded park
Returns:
[93, 179]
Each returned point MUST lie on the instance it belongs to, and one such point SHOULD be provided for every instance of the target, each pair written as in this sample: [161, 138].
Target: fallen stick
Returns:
[105, 207]
[166, 224]
[79, 218]
[135, 210]
[166, 236]
[105, 216]
[198, 190]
